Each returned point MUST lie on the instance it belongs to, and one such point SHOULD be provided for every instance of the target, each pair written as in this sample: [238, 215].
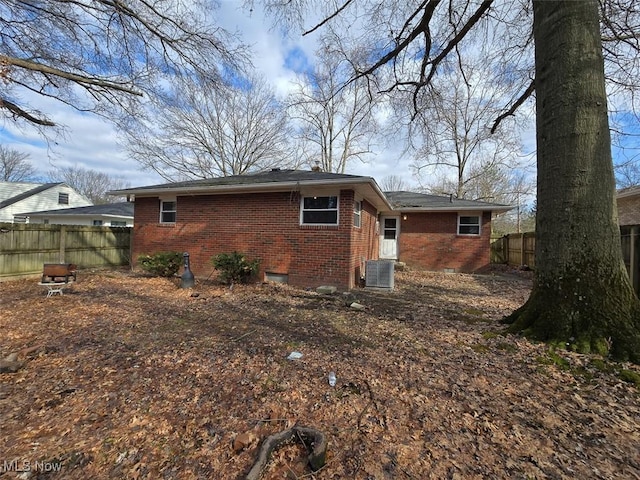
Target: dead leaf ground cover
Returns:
[132, 377]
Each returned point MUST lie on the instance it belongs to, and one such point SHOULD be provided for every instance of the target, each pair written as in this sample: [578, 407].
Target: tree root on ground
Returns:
[314, 440]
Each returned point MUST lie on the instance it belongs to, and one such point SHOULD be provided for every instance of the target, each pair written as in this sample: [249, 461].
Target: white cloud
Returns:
[87, 141]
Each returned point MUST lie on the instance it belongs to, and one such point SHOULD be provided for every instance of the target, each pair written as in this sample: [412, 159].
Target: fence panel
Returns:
[630, 241]
[515, 249]
[499, 250]
[519, 249]
[25, 247]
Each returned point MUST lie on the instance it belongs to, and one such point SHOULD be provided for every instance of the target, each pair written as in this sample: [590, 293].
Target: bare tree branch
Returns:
[206, 132]
[14, 166]
[512, 110]
[19, 112]
[116, 51]
[336, 116]
[328, 19]
[56, 72]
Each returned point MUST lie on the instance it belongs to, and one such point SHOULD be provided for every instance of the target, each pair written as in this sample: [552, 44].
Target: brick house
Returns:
[309, 228]
[628, 200]
[439, 233]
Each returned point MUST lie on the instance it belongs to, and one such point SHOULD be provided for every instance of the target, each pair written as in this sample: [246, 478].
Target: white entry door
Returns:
[389, 231]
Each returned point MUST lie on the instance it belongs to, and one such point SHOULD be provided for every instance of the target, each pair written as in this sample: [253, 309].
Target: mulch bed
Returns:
[127, 376]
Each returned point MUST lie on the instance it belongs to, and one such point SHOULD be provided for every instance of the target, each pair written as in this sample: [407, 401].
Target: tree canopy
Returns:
[15, 165]
[199, 130]
[92, 184]
[336, 117]
[101, 55]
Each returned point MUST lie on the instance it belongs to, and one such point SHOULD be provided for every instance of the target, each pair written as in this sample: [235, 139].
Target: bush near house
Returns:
[235, 268]
[162, 264]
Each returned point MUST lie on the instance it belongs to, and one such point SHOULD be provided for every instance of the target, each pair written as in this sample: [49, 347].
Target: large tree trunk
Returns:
[581, 294]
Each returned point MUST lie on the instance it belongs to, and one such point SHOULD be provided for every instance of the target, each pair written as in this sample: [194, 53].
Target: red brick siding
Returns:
[629, 210]
[365, 240]
[430, 241]
[265, 226]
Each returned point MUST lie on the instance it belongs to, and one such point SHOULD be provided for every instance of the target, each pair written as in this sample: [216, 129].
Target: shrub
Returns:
[162, 264]
[235, 268]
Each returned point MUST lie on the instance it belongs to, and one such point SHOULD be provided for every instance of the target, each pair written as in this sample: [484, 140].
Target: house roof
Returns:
[273, 176]
[274, 180]
[119, 209]
[423, 202]
[299, 180]
[21, 194]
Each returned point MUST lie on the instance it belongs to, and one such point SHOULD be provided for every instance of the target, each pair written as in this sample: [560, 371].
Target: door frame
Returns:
[382, 239]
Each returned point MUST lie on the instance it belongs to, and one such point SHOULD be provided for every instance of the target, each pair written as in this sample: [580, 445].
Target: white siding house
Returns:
[18, 197]
[107, 215]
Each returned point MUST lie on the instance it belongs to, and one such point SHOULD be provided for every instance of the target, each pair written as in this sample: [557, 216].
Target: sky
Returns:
[92, 143]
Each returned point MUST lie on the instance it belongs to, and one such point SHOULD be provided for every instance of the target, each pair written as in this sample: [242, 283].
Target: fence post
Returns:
[505, 248]
[63, 243]
[632, 256]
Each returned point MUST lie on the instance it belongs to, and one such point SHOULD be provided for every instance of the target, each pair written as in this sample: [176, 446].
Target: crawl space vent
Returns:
[379, 273]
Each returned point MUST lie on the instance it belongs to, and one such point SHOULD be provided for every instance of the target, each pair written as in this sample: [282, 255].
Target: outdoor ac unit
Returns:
[379, 273]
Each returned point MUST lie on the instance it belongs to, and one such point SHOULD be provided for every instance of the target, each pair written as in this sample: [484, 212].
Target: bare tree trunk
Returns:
[582, 294]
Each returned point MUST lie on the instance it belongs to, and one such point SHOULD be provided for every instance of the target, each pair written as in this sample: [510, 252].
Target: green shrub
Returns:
[630, 376]
[235, 268]
[162, 264]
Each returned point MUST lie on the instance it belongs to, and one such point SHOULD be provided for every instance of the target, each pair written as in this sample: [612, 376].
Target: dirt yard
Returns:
[127, 376]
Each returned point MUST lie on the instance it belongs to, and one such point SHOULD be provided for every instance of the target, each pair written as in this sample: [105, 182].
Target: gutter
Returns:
[459, 208]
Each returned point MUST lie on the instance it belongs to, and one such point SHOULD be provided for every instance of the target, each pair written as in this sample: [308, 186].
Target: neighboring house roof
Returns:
[429, 203]
[18, 192]
[17, 197]
[120, 209]
[273, 180]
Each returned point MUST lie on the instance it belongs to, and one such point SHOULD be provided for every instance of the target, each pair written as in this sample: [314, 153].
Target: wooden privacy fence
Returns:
[630, 240]
[24, 248]
[515, 249]
[519, 249]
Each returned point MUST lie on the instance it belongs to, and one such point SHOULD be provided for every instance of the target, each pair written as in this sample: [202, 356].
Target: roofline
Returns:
[52, 213]
[296, 185]
[39, 188]
[254, 188]
[458, 208]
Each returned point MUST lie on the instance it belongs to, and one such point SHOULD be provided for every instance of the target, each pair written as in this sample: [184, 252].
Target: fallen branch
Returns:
[242, 336]
[366, 407]
[306, 435]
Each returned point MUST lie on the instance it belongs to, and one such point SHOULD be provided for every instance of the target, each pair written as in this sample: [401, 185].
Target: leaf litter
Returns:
[128, 376]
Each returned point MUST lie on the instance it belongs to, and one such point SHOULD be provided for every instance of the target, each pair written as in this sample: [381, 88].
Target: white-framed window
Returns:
[97, 223]
[357, 213]
[168, 211]
[63, 198]
[319, 210]
[468, 224]
[118, 223]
